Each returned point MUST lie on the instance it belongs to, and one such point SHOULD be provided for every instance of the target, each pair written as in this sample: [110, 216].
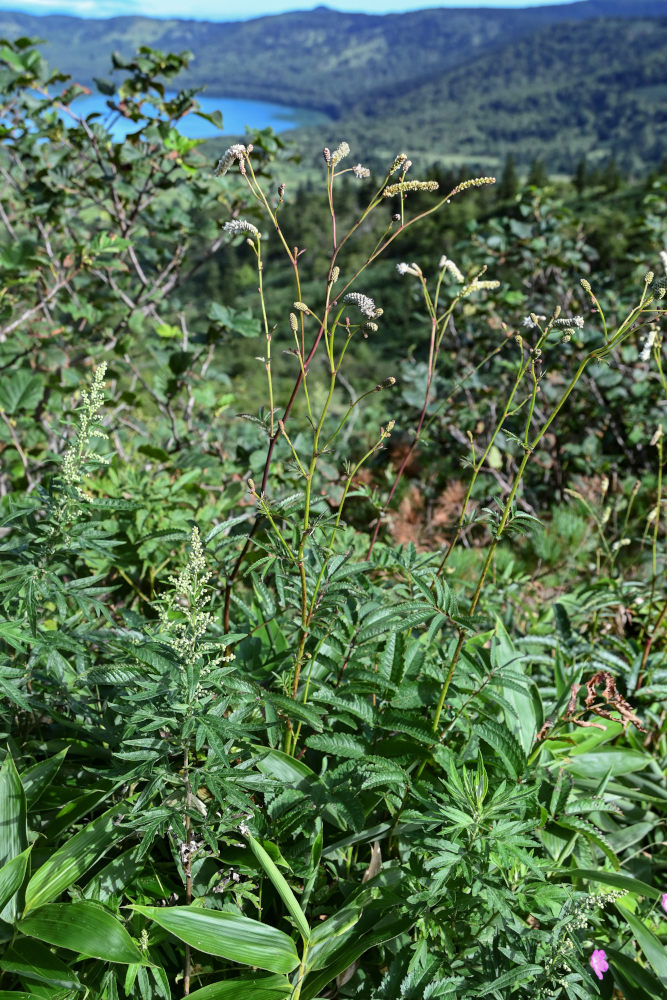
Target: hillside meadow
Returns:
[332, 598]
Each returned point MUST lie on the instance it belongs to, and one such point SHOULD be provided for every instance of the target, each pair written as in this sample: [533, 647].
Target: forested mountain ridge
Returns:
[324, 59]
[566, 91]
[470, 86]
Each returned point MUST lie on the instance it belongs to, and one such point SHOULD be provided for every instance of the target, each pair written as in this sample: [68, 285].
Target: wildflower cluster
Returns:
[236, 226]
[79, 454]
[364, 303]
[413, 269]
[473, 182]
[184, 619]
[235, 154]
[333, 159]
[404, 186]
[647, 345]
[448, 265]
[575, 916]
[479, 286]
[577, 321]
[398, 162]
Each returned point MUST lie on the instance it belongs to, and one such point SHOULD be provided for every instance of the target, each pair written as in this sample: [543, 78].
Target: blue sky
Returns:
[228, 10]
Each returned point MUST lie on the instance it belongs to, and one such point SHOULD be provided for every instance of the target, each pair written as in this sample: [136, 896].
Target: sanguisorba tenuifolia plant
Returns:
[309, 550]
[309, 763]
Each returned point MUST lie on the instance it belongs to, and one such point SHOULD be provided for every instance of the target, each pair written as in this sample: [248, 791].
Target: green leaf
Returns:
[338, 744]
[10, 995]
[331, 934]
[113, 877]
[592, 833]
[12, 875]
[523, 697]
[264, 988]
[164, 535]
[654, 951]
[36, 779]
[74, 859]
[243, 323]
[295, 709]
[350, 951]
[105, 86]
[113, 503]
[617, 880]
[22, 391]
[84, 927]
[13, 824]
[168, 331]
[228, 935]
[601, 763]
[289, 771]
[33, 961]
[520, 974]
[505, 743]
[281, 886]
[214, 117]
[635, 972]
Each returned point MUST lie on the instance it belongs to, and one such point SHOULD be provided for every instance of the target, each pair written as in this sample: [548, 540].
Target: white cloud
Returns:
[75, 8]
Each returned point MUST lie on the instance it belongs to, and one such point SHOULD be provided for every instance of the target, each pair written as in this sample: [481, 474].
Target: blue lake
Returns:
[236, 114]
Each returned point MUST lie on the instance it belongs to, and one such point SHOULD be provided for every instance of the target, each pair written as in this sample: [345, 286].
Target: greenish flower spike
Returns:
[79, 453]
[398, 162]
[473, 182]
[339, 154]
[405, 186]
[237, 226]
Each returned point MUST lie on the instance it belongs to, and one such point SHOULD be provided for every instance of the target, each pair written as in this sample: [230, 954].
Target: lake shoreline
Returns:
[237, 114]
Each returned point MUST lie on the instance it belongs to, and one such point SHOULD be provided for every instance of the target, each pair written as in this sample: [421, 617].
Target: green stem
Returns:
[301, 975]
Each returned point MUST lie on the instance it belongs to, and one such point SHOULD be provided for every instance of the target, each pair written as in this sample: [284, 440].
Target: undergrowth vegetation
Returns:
[252, 746]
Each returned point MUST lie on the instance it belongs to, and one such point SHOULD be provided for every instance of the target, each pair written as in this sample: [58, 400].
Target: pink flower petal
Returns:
[599, 963]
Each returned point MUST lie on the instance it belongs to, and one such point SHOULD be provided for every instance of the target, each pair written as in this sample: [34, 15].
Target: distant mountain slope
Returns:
[553, 82]
[567, 90]
[323, 59]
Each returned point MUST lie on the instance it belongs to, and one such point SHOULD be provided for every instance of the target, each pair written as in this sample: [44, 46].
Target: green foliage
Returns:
[242, 728]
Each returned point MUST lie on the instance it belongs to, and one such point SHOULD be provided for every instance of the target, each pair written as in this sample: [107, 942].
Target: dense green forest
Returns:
[467, 85]
[332, 559]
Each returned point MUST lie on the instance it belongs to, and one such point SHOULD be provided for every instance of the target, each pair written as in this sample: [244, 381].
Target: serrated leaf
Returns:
[578, 825]
[523, 973]
[338, 744]
[505, 743]
[296, 710]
